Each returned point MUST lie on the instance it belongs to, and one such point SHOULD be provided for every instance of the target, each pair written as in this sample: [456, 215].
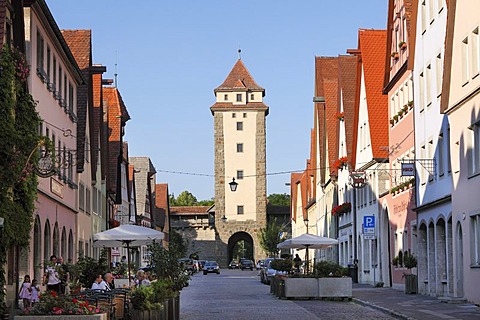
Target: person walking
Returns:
[51, 278]
[35, 290]
[26, 292]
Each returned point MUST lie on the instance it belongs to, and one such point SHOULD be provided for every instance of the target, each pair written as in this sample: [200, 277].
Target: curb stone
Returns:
[384, 310]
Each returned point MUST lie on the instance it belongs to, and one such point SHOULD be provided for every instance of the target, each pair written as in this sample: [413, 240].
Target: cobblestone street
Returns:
[236, 294]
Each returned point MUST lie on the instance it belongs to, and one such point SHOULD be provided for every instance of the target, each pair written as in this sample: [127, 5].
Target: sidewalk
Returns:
[412, 306]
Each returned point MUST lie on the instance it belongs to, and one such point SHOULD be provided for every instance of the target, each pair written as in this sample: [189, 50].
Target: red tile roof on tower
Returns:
[372, 44]
[239, 77]
[80, 44]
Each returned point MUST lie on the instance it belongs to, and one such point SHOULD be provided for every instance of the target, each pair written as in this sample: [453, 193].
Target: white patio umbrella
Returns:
[127, 235]
[307, 241]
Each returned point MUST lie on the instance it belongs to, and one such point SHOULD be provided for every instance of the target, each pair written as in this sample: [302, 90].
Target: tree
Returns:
[178, 244]
[186, 198]
[19, 142]
[276, 199]
[269, 238]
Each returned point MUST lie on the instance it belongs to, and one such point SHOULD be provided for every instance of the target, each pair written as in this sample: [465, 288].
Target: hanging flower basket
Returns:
[395, 55]
[342, 209]
[402, 45]
[340, 163]
[340, 116]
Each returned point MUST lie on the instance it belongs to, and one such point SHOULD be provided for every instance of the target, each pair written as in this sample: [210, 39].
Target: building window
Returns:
[95, 200]
[239, 126]
[439, 5]
[449, 163]
[475, 52]
[441, 155]
[424, 17]
[239, 97]
[70, 98]
[239, 174]
[48, 65]
[428, 90]
[87, 200]
[40, 50]
[240, 210]
[439, 73]
[430, 155]
[474, 152]
[234, 115]
[60, 72]
[422, 91]
[81, 197]
[239, 147]
[431, 10]
[225, 97]
[465, 63]
[475, 231]
[422, 169]
[244, 114]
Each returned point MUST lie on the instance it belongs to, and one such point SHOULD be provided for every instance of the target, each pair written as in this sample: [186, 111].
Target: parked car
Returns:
[211, 267]
[188, 265]
[267, 272]
[233, 264]
[201, 263]
[246, 264]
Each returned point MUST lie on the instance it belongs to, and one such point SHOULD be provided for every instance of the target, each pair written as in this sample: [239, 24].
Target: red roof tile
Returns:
[79, 42]
[189, 210]
[239, 76]
[294, 179]
[372, 44]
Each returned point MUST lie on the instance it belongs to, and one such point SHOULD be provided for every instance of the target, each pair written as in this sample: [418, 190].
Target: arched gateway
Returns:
[240, 153]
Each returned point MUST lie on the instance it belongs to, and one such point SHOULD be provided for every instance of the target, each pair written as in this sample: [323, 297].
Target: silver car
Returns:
[211, 267]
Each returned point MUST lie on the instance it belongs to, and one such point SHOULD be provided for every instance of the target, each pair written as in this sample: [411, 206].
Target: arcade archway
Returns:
[240, 245]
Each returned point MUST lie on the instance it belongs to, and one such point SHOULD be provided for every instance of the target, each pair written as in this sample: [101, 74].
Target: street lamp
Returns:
[307, 258]
[233, 185]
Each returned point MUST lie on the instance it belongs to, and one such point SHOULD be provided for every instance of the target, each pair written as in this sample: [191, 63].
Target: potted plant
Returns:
[340, 116]
[395, 55]
[392, 122]
[411, 280]
[402, 45]
[410, 104]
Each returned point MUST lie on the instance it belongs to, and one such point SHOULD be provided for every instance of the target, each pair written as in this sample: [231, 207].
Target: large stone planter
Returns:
[301, 288]
[101, 316]
[335, 287]
[411, 284]
[312, 288]
[149, 314]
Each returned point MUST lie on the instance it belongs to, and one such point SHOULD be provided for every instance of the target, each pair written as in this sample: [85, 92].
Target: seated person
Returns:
[97, 284]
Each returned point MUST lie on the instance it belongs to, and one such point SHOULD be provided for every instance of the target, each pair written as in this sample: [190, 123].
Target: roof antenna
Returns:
[239, 53]
[115, 74]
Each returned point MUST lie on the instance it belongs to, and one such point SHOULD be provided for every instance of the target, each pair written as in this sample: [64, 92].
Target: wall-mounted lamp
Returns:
[233, 186]
[224, 219]
[306, 223]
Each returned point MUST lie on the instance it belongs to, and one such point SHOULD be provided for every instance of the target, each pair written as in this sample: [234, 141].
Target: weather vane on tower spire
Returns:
[239, 53]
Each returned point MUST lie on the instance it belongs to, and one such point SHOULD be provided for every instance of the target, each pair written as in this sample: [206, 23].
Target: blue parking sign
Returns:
[369, 224]
[369, 221]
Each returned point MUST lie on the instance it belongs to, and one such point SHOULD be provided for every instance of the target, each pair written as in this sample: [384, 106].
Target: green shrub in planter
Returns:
[325, 268]
[282, 265]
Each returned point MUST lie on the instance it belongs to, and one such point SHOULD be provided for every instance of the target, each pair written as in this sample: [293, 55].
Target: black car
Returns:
[211, 266]
[246, 264]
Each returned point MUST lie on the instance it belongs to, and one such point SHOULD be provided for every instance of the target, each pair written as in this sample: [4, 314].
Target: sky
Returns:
[170, 55]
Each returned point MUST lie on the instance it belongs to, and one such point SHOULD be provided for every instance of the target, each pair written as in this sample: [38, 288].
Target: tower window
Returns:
[234, 115]
[239, 126]
[239, 97]
[244, 114]
[225, 97]
[240, 210]
[239, 174]
[239, 147]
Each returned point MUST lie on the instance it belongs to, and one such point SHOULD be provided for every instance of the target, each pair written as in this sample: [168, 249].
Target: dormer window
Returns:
[239, 97]
[225, 97]
[252, 97]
